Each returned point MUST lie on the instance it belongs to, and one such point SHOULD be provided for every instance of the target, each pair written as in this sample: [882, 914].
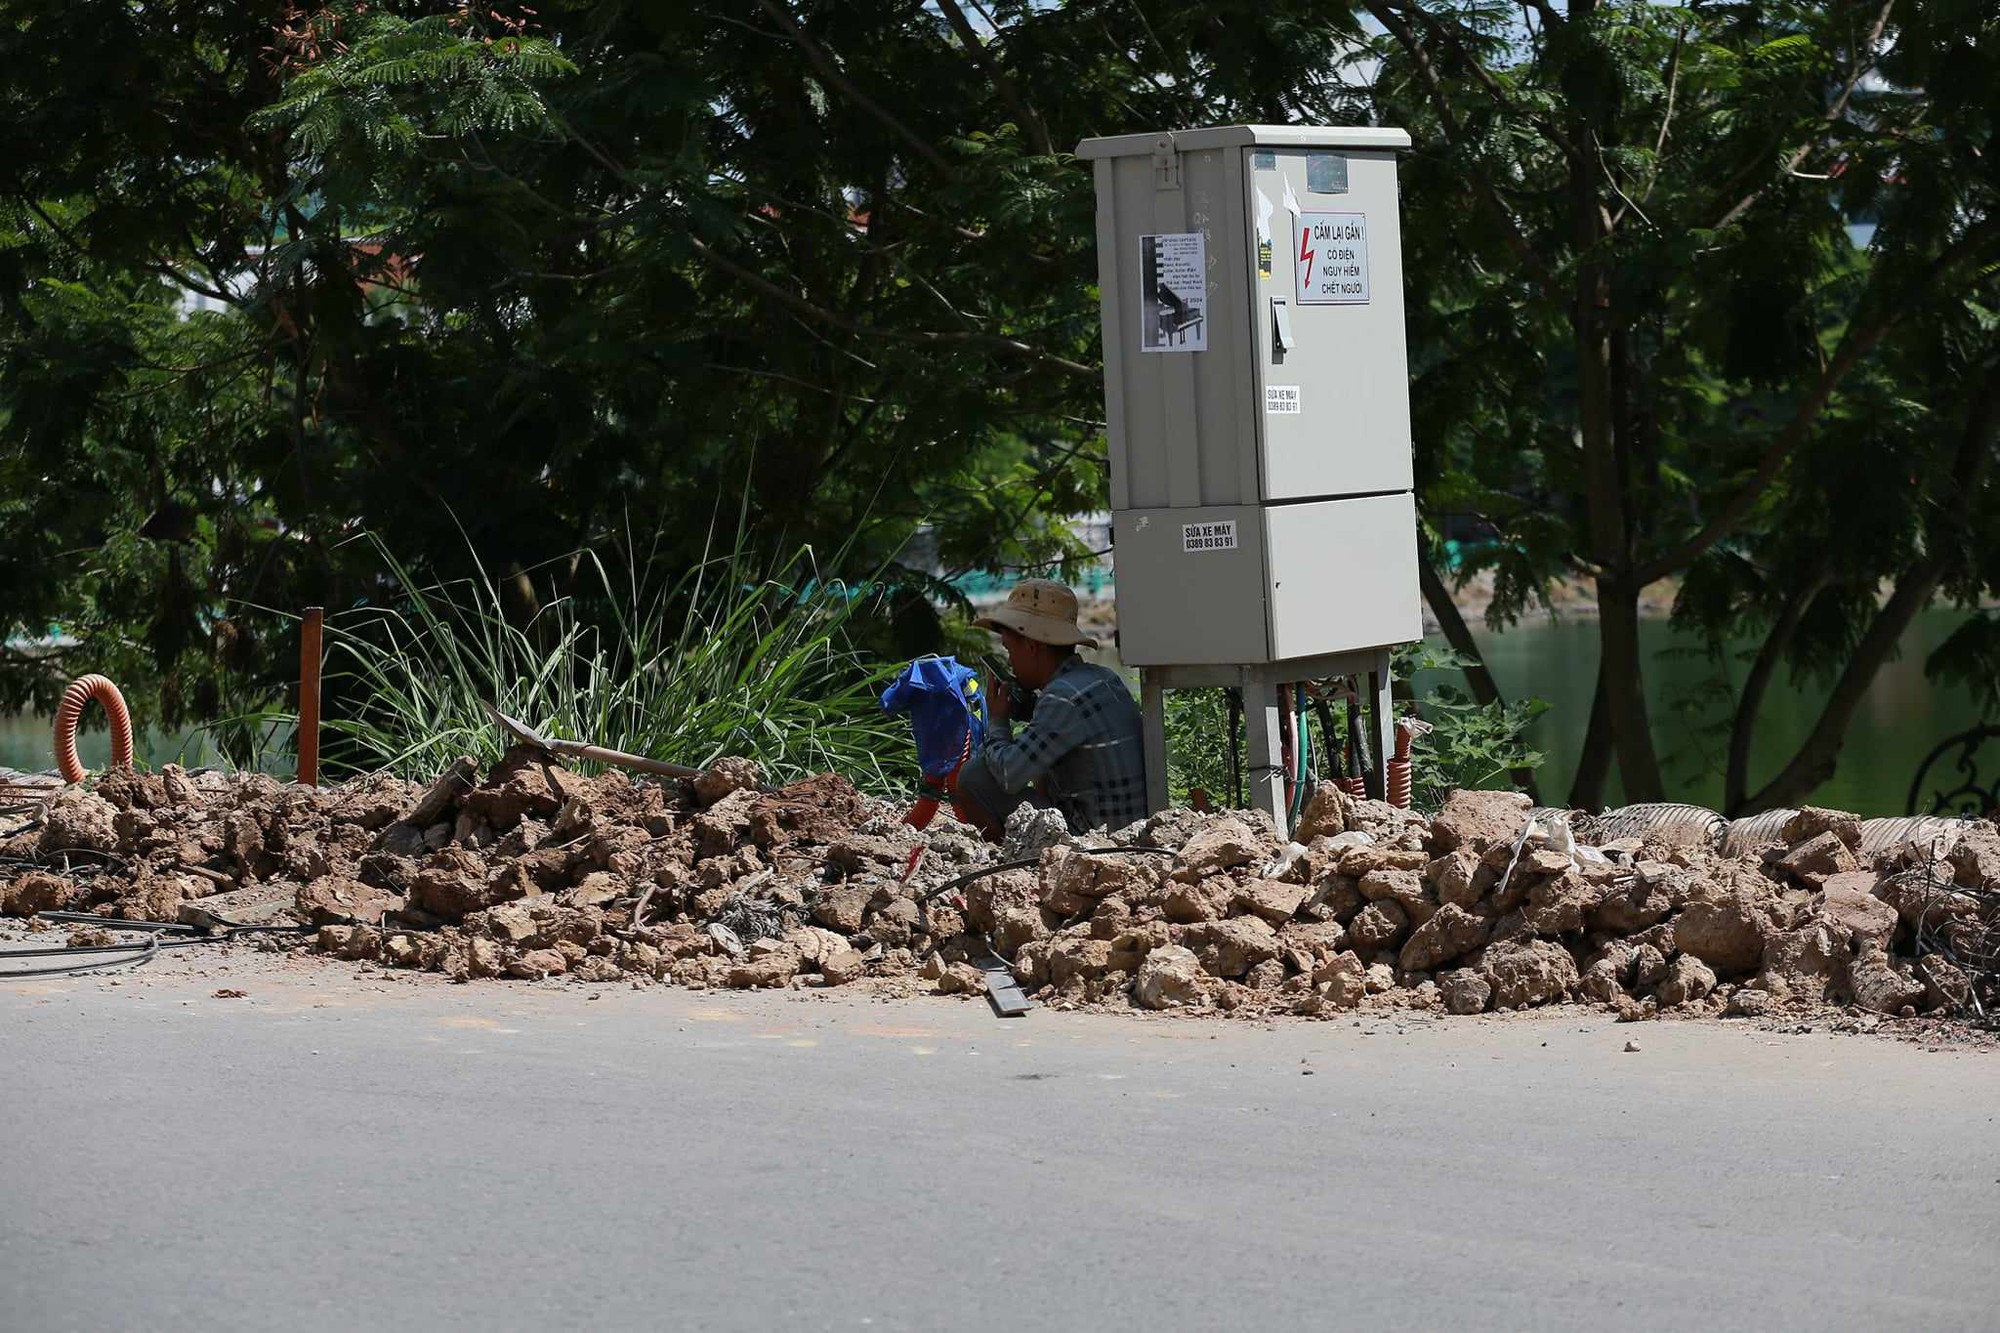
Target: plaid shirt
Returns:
[1085, 737]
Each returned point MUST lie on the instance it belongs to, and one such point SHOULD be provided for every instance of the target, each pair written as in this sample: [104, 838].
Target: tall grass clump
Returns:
[720, 661]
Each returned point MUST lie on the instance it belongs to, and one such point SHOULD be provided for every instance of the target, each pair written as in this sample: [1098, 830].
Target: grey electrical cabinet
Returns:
[1256, 393]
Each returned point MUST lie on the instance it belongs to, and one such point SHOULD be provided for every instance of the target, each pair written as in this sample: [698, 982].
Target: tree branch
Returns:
[1003, 84]
[1864, 60]
[822, 60]
[1510, 231]
[1856, 343]
[1819, 753]
[1743, 726]
[1487, 80]
[794, 302]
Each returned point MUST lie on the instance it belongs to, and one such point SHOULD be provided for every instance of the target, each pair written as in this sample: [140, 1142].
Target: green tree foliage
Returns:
[1646, 347]
[530, 281]
[549, 277]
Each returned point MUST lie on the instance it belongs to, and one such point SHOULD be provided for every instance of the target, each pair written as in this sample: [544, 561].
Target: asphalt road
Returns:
[335, 1151]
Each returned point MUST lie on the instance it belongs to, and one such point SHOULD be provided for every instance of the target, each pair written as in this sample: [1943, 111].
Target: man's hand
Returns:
[999, 698]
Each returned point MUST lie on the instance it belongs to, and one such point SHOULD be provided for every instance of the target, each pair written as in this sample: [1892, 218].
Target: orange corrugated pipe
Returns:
[82, 691]
[1407, 731]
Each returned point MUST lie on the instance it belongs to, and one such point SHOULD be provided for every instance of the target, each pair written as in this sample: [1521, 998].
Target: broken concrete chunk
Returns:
[1975, 857]
[1379, 925]
[77, 820]
[344, 900]
[1819, 858]
[1800, 965]
[843, 966]
[1405, 888]
[1525, 972]
[39, 892]
[1460, 877]
[1726, 931]
[401, 839]
[444, 793]
[842, 907]
[1603, 982]
[894, 923]
[1649, 967]
[1851, 908]
[1326, 814]
[536, 964]
[1334, 897]
[775, 967]
[1450, 933]
[1811, 822]
[1361, 861]
[1341, 982]
[1464, 991]
[1205, 901]
[1688, 979]
[1170, 978]
[1479, 821]
[1223, 845]
[1557, 905]
[1233, 947]
[1273, 900]
[1881, 984]
[1747, 1002]
[1631, 904]
[731, 773]
[1946, 987]
[1311, 941]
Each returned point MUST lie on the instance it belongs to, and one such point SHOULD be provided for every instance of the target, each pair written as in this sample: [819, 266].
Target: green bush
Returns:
[720, 661]
[1469, 745]
[1198, 745]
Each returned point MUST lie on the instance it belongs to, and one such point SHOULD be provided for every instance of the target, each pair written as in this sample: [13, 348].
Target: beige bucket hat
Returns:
[1042, 610]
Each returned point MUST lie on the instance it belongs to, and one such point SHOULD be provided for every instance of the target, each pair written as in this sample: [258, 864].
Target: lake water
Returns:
[1901, 718]
[27, 743]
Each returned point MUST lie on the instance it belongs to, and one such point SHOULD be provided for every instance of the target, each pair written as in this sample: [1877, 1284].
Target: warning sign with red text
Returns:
[1332, 258]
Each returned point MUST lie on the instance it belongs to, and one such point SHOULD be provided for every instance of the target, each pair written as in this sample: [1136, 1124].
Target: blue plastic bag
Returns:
[947, 712]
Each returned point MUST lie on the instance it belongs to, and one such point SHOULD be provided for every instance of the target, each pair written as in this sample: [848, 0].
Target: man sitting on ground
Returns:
[1083, 745]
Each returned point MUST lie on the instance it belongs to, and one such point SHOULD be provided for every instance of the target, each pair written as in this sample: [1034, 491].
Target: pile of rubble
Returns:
[536, 871]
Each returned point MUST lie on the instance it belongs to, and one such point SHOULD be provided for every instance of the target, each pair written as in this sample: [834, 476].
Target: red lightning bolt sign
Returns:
[1305, 255]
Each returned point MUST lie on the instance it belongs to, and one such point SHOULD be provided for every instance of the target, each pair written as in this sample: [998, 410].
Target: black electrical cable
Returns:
[1022, 864]
[120, 923]
[1324, 711]
[136, 954]
[204, 933]
[1235, 702]
[1357, 742]
[84, 948]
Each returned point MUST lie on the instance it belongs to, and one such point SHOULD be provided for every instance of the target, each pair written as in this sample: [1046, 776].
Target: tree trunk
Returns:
[1456, 632]
[1814, 761]
[1621, 676]
[1817, 756]
[1593, 762]
[1622, 681]
[1743, 727]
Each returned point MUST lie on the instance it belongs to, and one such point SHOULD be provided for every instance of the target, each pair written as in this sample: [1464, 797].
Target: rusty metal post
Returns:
[309, 640]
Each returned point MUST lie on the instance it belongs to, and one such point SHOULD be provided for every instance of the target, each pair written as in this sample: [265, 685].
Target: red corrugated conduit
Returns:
[81, 692]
